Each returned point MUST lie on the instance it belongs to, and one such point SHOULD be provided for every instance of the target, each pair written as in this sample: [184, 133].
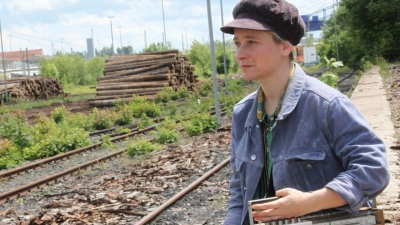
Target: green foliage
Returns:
[140, 146]
[157, 47]
[81, 121]
[167, 132]
[145, 121]
[200, 123]
[329, 77]
[200, 57]
[102, 119]
[9, 155]
[163, 135]
[140, 105]
[166, 95]
[51, 139]
[124, 115]
[365, 30]
[14, 127]
[183, 92]
[107, 143]
[73, 69]
[59, 114]
[49, 70]
[206, 88]
[171, 108]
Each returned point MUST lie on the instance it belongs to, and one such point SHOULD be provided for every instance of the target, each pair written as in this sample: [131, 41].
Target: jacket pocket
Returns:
[307, 169]
[238, 164]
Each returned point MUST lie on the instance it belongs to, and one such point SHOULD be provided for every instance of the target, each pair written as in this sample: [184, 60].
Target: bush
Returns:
[140, 146]
[51, 139]
[163, 135]
[183, 92]
[200, 123]
[59, 114]
[123, 115]
[102, 119]
[9, 155]
[145, 121]
[14, 127]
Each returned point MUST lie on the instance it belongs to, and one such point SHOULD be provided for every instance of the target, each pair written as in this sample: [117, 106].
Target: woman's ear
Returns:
[287, 48]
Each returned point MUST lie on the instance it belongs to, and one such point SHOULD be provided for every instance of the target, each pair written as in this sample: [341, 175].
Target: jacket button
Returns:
[309, 166]
[257, 126]
[253, 157]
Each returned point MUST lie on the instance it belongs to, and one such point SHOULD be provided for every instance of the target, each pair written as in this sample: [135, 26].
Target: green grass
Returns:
[24, 105]
[79, 90]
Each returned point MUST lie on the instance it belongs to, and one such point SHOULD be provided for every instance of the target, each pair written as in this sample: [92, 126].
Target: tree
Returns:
[157, 47]
[200, 56]
[126, 50]
[73, 69]
[366, 30]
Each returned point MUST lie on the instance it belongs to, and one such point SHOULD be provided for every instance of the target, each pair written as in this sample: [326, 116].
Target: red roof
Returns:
[17, 55]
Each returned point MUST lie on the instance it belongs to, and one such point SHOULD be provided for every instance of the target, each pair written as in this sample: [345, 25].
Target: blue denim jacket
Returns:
[319, 140]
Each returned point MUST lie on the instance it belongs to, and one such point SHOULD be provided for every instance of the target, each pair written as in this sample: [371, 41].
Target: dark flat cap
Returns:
[276, 15]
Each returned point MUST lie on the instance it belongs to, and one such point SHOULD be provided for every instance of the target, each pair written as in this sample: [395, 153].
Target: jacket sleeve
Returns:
[361, 152]
[235, 209]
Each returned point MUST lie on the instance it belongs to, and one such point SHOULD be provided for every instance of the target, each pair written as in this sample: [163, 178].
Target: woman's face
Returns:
[257, 53]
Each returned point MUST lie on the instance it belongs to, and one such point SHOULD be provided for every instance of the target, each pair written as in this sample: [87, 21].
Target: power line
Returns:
[319, 5]
[50, 40]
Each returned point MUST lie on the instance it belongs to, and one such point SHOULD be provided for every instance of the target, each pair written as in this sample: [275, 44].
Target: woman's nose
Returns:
[240, 53]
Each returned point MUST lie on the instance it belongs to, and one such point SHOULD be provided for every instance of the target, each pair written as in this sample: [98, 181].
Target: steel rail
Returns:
[179, 195]
[16, 171]
[24, 189]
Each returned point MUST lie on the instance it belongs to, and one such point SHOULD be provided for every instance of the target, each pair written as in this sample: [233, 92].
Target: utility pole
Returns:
[165, 34]
[145, 41]
[186, 38]
[62, 46]
[12, 55]
[182, 42]
[112, 37]
[337, 47]
[27, 62]
[223, 43]
[214, 66]
[52, 50]
[22, 60]
[4, 64]
[120, 38]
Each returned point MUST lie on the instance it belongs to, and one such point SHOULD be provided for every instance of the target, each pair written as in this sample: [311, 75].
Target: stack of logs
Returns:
[31, 88]
[143, 74]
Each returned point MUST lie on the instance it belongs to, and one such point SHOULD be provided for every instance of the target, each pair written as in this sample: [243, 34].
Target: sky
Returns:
[64, 25]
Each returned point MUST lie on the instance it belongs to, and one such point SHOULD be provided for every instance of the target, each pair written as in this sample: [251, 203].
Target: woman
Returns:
[295, 137]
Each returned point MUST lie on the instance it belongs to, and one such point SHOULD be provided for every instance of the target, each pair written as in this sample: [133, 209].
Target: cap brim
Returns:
[243, 23]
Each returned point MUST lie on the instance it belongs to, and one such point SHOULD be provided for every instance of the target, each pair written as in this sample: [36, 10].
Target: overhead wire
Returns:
[52, 41]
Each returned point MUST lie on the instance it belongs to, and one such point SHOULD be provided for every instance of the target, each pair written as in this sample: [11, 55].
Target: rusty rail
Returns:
[179, 195]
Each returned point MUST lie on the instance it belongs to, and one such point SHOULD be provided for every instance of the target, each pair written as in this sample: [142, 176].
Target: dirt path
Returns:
[370, 97]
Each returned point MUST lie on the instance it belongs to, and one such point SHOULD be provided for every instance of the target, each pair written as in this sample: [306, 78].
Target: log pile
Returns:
[143, 74]
[31, 88]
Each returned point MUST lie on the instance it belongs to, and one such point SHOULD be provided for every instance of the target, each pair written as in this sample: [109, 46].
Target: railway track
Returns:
[164, 179]
[28, 185]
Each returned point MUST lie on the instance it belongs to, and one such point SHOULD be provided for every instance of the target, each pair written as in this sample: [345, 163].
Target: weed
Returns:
[140, 146]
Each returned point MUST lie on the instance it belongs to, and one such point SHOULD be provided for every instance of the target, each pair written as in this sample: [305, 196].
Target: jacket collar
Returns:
[292, 96]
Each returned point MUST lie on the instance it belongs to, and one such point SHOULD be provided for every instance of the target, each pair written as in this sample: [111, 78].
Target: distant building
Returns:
[22, 63]
[312, 23]
[90, 48]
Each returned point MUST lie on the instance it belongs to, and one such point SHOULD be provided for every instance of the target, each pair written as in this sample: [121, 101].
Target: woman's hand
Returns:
[294, 203]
